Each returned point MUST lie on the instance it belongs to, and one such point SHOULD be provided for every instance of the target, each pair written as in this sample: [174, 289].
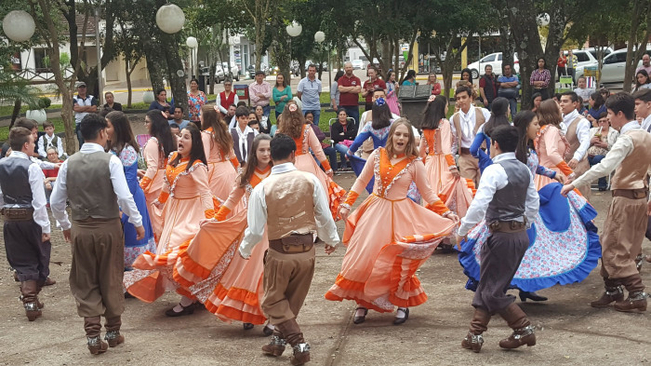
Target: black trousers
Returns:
[500, 258]
[26, 252]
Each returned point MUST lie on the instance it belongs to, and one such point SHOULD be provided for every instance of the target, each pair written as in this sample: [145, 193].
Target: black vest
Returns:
[14, 181]
[237, 143]
[509, 202]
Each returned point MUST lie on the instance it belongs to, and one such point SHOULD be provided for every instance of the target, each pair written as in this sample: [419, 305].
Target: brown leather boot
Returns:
[93, 326]
[113, 336]
[523, 332]
[276, 345]
[294, 337]
[611, 295]
[29, 291]
[478, 325]
[636, 301]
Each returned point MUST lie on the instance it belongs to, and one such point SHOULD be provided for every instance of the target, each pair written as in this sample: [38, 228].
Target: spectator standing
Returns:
[509, 87]
[540, 79]
[282, 93]
[49, 140]
[642, 80]
[536, 99]
[349, 88]
[646, 64]
[572, 63]
[160, 103]
[488, 87]
[334, 91]
[410, 78]
[603, 138]
[177, 118]
[561, 64]
[260, 92]
[111, 104]
[196, 100]
[227, 98]
[392, 92]
[309, 91]
[431, 80]
[370, 85]
[82, 105]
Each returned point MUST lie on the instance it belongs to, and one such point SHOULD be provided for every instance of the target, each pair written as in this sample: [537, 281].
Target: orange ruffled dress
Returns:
[551, 146]
[152, 182]
[388, 237]
[236, 293]
[187, 201]
[221, 171]
[436, 150]
[306, 163]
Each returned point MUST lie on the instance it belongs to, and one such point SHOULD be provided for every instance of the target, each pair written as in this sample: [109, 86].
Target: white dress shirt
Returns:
[45, 141]
[492, 179]
[120, 188]
[233, 122]
[257, 213]
[622, 148]
[582, 132]
[467, 123]
[36, 183]
[242, 141]
[646, 124]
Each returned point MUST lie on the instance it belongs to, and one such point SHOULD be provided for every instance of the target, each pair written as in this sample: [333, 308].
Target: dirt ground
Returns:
[569, 331]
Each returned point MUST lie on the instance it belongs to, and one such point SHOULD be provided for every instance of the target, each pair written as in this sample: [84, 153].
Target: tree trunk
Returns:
[173, 63]
[636, 46]
[128, 70]
[155, 68]
[15, 113]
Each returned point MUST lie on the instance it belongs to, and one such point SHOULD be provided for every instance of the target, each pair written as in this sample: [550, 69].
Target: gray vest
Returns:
[90, 189]
[14, 181]
[509, 202]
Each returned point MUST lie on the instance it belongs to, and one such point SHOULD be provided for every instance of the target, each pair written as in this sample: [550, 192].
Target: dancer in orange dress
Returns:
[293, 124]
[155, 153]
[551, 144]
[436, 151]
[235, 293]
[187, 200]
[389, 236]
[218, 146]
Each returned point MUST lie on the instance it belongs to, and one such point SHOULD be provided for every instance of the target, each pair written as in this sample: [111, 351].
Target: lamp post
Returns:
[193, 44]
[294, 30]
[170, 18]
[319, 37]
[18, 25]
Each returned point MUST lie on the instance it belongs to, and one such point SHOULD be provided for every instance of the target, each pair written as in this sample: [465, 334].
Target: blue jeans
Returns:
[352, 111]
[316, 113]
[332, 157]
[512, 95]
[594, 160]
[79, 137]
[266, 110]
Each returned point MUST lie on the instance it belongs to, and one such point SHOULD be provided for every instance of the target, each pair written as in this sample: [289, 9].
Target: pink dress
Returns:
[222, 171]
[187, 201]
[436, 149]
[392, 98]
[551, 146]
[306, 163]
[152, 182]
[388, 237]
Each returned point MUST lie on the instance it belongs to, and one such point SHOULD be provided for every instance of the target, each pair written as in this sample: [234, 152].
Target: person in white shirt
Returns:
[465, 123]
[26, 223]
[50, 140]
[291, 207]
[643, 108]
[507, 199]
[582, 90]
[577, 132]
[99, 193]
[626, 221]
[82, 105]
[243, 135]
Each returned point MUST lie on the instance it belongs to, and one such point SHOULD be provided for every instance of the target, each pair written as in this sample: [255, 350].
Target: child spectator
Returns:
[48, 140]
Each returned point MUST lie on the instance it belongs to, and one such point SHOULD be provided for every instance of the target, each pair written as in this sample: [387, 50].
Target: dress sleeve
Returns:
[551, 137]
[200, 177]
[315, 145]
[233, 199]
[151, 155]
[445, 130]
[233, 159]
[362, 181]
[361, 137]
[541, 170]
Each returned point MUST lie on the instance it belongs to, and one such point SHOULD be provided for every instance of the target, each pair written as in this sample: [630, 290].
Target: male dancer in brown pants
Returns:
[26, 224]
[626, 222]
[293, 206]
[508, 199]
[98, 192]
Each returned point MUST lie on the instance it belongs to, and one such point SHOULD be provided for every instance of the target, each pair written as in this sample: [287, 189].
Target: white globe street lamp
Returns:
[542, 20]
[294, 29]
[192, 42]
[18, 25]
[319, 37]
[170, 18]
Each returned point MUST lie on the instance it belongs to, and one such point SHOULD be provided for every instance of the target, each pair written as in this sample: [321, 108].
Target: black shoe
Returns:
[531, 295]
[127, 295]
[398, 321]
[267, 330]
[247, 326]
[360, 319]
[187, 310]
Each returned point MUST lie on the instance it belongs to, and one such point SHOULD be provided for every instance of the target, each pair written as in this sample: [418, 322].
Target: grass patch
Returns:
[58, 127]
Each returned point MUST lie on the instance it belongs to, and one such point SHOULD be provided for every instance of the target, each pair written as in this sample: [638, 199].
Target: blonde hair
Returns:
[291, 123]
[411, 150]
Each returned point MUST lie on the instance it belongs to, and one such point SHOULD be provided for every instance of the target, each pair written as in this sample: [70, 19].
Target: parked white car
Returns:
[221, 76]
[586, 58]
[357, 64]
[614, 66]
[495, 60]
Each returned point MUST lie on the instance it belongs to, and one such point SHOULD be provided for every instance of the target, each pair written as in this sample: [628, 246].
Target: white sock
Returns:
[360, 312]
[401, 313]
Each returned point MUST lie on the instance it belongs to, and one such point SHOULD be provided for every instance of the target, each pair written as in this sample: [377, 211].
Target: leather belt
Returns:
[508, 226]
[635, 194]
[18, 214]
[295, 243]
[464, 150]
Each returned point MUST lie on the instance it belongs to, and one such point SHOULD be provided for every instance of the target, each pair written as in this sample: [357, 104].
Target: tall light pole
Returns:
[193, 44]
[99, 58]
[294, 30]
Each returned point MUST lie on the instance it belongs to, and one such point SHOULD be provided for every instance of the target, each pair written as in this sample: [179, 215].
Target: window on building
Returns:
[41, 60]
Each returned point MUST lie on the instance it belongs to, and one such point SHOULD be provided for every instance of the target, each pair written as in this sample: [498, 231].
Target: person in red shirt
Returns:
[370, 85]
[51, 174]
[560, 63]
[349, 88]
[431, 80]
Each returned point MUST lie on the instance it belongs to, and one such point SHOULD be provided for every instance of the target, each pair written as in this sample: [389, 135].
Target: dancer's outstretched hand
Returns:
[343, 212]
[329, 249]
[566, 189]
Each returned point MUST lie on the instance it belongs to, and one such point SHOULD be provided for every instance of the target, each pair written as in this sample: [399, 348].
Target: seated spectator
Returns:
[51, 174]
[642, 80]
[176, 129]
[177, 118]
[264, 122]
[597, 107]
[327, 149]
[110, 105]
[536, 99]
[50, 140]
[342, 134]
[582, 91]
[603, 138]
[254, 124]
[410, 78]
[431, 80]
[160, 103]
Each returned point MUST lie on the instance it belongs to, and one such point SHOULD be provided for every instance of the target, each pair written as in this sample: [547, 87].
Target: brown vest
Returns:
[632, 172]
[290, 204]
[574, 142]
[90, 189]
[456, 119]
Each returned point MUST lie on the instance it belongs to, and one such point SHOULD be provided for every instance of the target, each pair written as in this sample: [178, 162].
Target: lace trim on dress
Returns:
[306, 144]
[183, 173]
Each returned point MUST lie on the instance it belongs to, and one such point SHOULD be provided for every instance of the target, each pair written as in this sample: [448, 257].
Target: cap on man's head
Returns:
[81, 84]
